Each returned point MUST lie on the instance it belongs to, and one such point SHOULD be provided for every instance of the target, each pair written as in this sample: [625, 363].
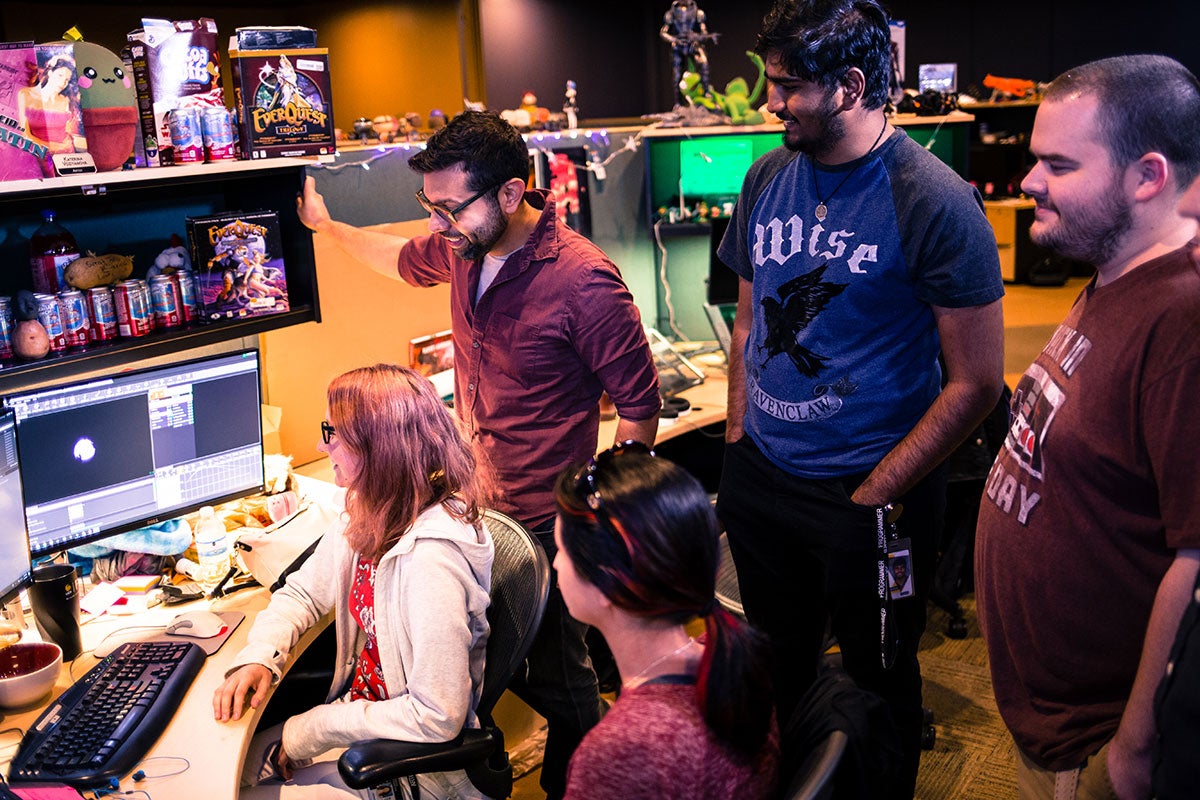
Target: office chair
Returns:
[814, 779]
[520, 587]
[729, 595]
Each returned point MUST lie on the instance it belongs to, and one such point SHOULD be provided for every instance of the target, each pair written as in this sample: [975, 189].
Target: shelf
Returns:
[92, 182]
[19, 374]
[134, 212]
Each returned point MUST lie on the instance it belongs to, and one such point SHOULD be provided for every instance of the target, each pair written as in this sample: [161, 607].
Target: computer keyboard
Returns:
[103, 725]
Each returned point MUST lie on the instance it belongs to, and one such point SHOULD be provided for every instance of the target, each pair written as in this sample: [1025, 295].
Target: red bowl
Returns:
[28, 670]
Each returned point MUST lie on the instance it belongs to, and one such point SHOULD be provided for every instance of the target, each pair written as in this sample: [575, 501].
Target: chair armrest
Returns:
[372, 762]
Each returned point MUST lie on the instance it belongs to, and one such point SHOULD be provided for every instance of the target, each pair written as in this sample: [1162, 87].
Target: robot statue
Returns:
[685, 30]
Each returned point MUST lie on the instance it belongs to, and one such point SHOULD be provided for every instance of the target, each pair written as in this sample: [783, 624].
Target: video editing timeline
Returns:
[123, 451]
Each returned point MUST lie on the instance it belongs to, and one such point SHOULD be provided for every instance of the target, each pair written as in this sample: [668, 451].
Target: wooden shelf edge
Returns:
[21, 374]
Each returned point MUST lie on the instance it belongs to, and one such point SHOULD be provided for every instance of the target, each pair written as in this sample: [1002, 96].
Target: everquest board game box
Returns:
[238, 262]
[40, 114]
[283, 102]
[175, 64]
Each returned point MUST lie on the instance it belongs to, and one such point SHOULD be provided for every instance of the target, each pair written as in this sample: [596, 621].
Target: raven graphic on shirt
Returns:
[803, 299]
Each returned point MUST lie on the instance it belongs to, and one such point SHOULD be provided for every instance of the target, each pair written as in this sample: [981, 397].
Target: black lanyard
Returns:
[885, 531]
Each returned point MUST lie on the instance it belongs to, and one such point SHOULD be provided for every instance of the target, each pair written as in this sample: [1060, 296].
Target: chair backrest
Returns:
[520, 588]
[814, 780]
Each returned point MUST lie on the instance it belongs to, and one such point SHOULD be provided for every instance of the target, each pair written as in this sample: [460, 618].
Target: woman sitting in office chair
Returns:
[407, 572]
[637, 558]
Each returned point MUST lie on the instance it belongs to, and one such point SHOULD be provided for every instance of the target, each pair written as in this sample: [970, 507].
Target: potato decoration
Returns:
[29, 338]
[92, 270]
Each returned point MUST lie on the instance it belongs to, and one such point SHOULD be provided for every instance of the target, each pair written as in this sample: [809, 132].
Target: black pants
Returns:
[806, 560]
[558, 681]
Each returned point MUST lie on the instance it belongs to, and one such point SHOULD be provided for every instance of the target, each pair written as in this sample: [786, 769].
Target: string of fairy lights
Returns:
[597, 143]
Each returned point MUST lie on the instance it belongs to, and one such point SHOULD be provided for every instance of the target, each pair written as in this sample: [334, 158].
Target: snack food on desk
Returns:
[283, 104]
[175, 64]
[273, 37]
[239, 265]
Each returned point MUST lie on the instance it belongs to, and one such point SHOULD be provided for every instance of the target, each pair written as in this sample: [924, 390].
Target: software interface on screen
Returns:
[14, 546]
[106, 455]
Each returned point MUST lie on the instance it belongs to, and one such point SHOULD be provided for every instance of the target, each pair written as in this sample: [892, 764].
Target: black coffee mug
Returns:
[55, 600]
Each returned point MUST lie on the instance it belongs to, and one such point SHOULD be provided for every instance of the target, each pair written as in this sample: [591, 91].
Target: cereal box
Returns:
[238, 260]
[283, 102]
[175, 64]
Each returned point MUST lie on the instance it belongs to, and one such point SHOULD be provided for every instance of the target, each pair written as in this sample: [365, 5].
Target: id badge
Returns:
[900, 569]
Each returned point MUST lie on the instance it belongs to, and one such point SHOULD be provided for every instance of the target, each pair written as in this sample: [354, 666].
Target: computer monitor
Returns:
[14, 543]
[105, 455]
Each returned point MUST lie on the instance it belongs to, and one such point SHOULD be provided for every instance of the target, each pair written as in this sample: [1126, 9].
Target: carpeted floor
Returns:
[973, 755]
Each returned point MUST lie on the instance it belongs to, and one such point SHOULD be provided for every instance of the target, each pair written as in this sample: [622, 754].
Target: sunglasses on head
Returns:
[585, 479]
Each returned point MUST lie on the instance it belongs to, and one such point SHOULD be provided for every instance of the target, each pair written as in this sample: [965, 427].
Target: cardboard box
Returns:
[30, 79]
[283, 102]
[238, 262]
[174, 64]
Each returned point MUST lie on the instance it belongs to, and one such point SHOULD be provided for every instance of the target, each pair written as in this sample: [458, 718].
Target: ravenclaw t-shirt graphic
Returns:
[801, 300]
[841, 357]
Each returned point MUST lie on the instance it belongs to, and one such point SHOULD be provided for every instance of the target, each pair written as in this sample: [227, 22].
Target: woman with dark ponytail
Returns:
[637, 558]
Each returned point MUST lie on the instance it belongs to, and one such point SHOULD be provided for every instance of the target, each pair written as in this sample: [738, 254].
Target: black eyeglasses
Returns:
[327, 431]
[585, 479]
[451, 214]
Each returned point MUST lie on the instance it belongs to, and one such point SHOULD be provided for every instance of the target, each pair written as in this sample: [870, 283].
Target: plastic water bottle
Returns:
[212, 549]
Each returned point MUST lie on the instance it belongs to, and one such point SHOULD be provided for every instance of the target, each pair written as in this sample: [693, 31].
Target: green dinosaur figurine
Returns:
[737, 102]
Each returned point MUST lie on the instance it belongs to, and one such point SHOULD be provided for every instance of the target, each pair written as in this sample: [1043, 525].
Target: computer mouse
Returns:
[197, 624]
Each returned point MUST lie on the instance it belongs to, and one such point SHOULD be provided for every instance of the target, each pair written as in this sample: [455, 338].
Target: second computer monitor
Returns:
[110, 454]
[14, 544]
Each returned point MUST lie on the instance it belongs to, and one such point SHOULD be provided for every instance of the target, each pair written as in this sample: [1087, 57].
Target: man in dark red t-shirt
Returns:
[1089, 532]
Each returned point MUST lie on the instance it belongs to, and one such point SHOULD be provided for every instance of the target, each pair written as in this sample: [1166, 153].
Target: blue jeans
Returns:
[806, 560]
[558, 681]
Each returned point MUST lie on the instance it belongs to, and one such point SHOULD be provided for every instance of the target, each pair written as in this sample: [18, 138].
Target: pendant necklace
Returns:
[633, 682]
[822, 210]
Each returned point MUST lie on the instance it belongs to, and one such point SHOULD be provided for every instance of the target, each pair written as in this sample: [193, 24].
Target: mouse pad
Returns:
[211, 645]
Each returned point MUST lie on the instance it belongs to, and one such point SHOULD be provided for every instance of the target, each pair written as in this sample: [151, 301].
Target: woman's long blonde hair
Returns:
[412, 455]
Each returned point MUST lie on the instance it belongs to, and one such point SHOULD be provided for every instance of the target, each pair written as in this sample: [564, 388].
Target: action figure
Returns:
[570, 108]
[685, 30]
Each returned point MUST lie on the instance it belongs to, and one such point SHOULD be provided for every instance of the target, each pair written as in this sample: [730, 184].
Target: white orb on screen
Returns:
[85, 450]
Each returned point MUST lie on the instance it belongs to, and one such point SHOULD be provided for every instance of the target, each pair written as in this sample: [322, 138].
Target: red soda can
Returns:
[186, 135]
[187, 296]
[143, 288]
[72, 311]
[51, 318]
[165, 300]
[131, 309]
[6, 326]
[217, 127]
[102, 313]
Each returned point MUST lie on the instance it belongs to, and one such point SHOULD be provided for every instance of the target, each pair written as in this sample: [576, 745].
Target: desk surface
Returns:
[214, 750]
[708, 399]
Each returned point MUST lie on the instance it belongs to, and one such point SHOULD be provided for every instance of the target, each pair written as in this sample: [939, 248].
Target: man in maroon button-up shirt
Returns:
[542, 323]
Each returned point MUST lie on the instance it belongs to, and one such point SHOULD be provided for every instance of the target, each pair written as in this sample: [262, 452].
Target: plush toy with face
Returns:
[110, 113]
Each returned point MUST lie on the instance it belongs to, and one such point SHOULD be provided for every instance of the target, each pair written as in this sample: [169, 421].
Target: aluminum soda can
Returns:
[187, 296]
[131, 309]
[217, 128]
[187, 137]
[165, 300]
[72, 310]
[102, 313]
[143, 289]
[6, 327]
[51, 318]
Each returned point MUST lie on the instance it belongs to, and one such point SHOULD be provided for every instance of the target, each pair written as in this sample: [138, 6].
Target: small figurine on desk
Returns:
[570, 108]
[685, 29]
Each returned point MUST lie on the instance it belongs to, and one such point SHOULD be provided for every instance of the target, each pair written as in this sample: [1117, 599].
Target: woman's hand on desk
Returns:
[229, 699]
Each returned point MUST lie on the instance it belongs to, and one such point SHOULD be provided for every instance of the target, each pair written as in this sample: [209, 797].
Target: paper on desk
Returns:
[99, 599]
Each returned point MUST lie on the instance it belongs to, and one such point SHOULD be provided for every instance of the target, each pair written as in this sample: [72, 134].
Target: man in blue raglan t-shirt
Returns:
[862, 258]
